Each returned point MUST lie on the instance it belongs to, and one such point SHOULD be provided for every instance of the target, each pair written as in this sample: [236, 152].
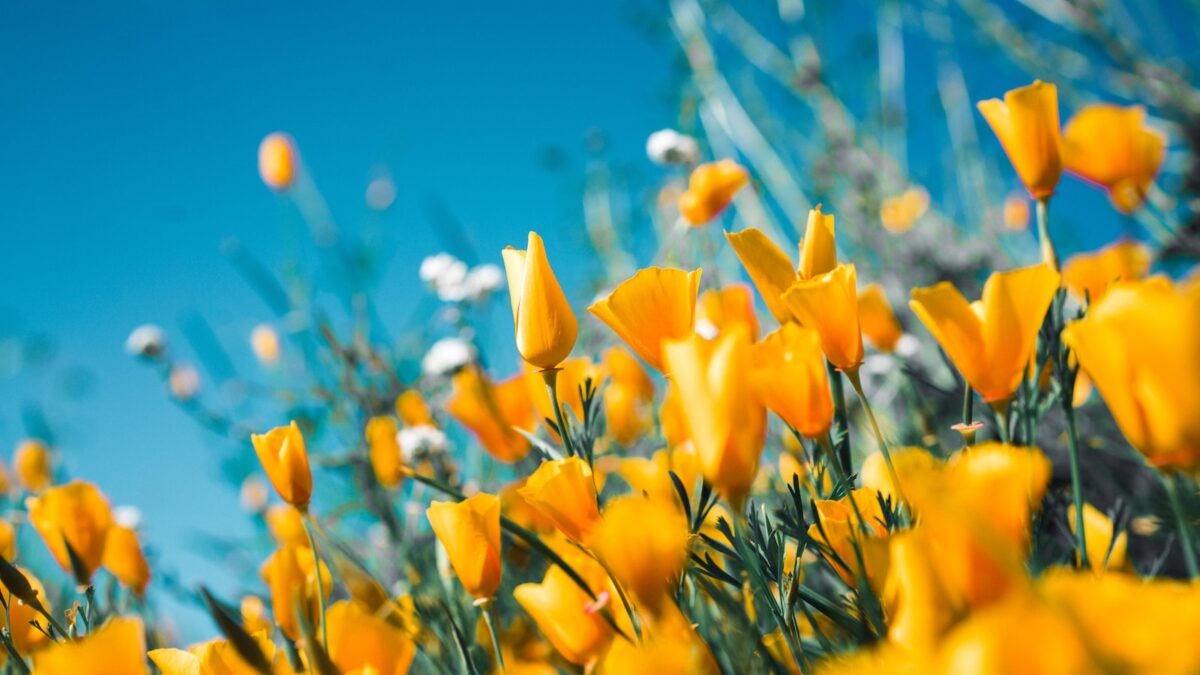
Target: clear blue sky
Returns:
[128, 133]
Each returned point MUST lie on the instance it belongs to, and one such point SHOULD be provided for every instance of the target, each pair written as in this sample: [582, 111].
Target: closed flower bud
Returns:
[544, 323]
[383, 446]
[470, 533]
[285, 459]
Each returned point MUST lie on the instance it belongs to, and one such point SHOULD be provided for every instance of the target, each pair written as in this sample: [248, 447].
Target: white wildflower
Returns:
[668, 146]
[446, 356]
[147, 341]
[127, 516]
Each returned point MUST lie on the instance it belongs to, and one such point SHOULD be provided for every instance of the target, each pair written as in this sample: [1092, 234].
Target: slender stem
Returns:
[968, 412]
[486, 607]
[856, 383]
[839, 411]
[551, 377]
[312, 542]
[1076, 479]
[1185, 530]
[53, 622]
[1001, 409]
[1049, 255]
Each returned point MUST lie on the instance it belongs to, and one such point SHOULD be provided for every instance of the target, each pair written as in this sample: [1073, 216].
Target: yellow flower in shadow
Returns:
[491, 411]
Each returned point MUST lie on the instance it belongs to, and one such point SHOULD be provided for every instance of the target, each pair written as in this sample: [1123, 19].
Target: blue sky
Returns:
[128, 137]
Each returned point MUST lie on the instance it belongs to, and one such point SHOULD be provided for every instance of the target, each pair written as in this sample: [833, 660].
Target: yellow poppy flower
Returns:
[848, 526]
[124, 558]
[771, 270]
[254, 615]
[829, 304]
[119, 646]
[290, 574]
[1112, 147]
[644, 542]
[650, 475]
[544, 323]
[491, 411]
[286, 525]
[1026, 122]
[75, 514]
[563, 490]
[876, 318]
[383, 446]
[218, 657]
[285, 459]
[920, 607]
[1016, 213]
[412, 409]
[652, 306]
[900, 212]
[33, 465]
[361, 639]
[1089, 275]
[722, 417]
[8, 541]
[992, 340]
[1101, 546]
[278, 161]
[711, 188]
[264, 341]
[1140, 345]
[669, 645]
[719, 309]
[470, 532]
[25, 637]
[915, 462]
[561, 610]
[789, 378]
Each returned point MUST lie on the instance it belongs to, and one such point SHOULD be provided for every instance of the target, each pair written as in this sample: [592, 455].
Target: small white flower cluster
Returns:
[668, 146]
[446, 356]
[421, 438]
[127, 516]
[453, 281]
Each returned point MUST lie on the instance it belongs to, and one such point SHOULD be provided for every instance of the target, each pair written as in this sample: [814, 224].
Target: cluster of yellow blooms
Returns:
[910, 562]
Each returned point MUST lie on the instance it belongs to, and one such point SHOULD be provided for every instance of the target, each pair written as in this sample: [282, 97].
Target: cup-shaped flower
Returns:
[644, 542]
[722, 417]
[910, 464]
[119, 646]
[561, 610]
[491, 411]
[33, 465]
[285, 459]
[277, 161]
[770, 268]
[718, 309]
[363, 641]
[291, 575]
[1088, 275]
[829, 304]
[852, 536]
[652, 306]
[1026, 122]
[383, 446]
[412, 409]
[711, 188]
[1140, 344]
[876, 318]
[124, 558]
[991, 340]
[1111, 146]
[470, 532]
[544, 323]
[669, 644]
[74, 514]
[789, 378]
[563, 490]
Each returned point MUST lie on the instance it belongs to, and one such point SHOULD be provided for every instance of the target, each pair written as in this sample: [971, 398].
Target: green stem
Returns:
[486, 607]
[839, 412]
[550, 375]
[968, 412]
[856, 383]
[1043, 222]
[312, 542]
[1076, 479]
[1001, 410]
[1181, 522]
